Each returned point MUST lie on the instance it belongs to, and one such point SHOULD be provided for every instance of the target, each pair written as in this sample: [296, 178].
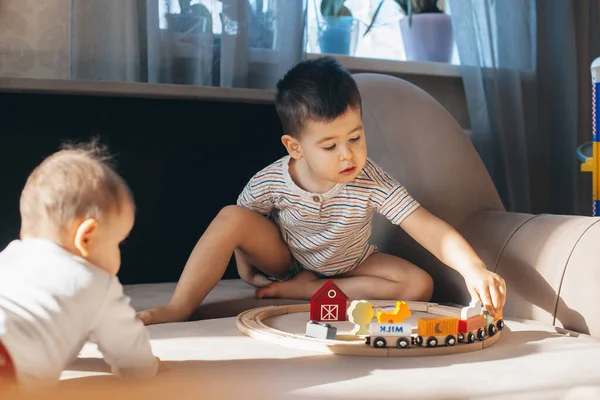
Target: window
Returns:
[172, 6]
[383, 41]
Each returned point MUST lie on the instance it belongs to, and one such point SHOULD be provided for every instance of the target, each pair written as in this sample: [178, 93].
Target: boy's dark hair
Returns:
[319, 90]
[76, 182]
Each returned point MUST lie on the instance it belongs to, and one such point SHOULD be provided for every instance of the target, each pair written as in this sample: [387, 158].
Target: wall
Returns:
[184, 160]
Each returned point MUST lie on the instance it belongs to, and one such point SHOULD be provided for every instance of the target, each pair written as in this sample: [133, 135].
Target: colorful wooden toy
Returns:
[442, 331]
[360, 313]
[328, 304]
[592, 164]
[473, 309]
[320, 330]
[398, 315]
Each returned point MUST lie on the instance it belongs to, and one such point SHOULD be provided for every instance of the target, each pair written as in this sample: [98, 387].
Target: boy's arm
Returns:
[394, 202]
[452, 249]
[122, 338]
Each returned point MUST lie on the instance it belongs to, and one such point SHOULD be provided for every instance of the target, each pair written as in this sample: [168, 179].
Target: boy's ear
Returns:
[292, 146]
[84, 235]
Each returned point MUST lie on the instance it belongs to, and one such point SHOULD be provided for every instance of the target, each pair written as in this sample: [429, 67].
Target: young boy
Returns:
[57, 282]
[307, 217]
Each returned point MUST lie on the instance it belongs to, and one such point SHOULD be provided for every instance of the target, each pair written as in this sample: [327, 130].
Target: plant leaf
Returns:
[375, 14]
[334, 8]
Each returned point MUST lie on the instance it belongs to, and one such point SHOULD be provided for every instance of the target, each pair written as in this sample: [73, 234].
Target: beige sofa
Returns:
[548, 262]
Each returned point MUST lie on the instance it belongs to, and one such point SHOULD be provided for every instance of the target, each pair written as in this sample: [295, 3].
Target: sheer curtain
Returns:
[228, 43]
[105, 40]
[497, 48]
[525, 69]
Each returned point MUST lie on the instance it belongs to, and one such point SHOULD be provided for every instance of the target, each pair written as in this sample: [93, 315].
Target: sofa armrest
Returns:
[577, 308]
[551, 272]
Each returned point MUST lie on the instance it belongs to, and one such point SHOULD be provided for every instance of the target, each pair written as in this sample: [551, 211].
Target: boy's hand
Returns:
[487, 287]
[161, 315]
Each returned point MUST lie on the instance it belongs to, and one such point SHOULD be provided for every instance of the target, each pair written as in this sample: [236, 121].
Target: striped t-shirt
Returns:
[327, 232]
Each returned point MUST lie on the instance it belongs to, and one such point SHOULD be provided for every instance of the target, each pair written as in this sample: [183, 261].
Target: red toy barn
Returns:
[328, 304]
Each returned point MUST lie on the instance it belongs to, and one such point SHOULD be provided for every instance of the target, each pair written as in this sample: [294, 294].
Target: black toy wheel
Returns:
[450, 340]
[432, 342]
[403, 343]
[492, 330]
[379, 343]
[500, 324]
[471, 337]
[481, 334]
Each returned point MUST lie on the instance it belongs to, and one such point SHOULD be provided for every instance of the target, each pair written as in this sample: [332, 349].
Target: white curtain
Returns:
[228, 43]
[496, 42]
[105, 40]
[525, 68]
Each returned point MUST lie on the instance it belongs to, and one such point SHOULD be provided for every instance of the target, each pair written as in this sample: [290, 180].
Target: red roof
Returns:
[325, 288]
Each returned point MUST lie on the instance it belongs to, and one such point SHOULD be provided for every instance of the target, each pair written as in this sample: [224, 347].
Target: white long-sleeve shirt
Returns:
[52, 302]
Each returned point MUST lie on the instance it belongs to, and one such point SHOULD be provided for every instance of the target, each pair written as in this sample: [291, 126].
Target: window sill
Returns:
[211, 93]
[375, 65]
[395, 67]
[135, 89]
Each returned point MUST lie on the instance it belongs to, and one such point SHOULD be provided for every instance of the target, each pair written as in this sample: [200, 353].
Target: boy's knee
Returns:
[424, 287]
[420, 287]
[233, 217]
[231, 213]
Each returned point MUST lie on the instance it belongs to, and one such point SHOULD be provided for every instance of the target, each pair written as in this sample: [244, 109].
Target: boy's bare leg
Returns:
[257, 238]
[379, 277]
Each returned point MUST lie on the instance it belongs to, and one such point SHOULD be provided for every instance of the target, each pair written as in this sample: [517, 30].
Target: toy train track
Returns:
[251, 323]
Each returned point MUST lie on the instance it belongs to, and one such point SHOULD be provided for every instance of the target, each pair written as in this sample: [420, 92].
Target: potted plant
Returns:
[337, 32]
[192, 19]
[426, 30]
[187, 49]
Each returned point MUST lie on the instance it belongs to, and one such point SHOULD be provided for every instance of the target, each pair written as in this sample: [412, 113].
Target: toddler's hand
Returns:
[163, 366]
[487, 287]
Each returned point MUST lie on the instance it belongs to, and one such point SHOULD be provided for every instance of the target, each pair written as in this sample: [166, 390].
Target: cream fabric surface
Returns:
[229, 298]
[213, 359]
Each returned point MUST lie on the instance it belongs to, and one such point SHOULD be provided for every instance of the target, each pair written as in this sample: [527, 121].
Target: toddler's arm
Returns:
[122, 338]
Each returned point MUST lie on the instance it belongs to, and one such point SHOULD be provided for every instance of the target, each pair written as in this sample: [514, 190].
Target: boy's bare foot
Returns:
[161, 315]
[295, 288]
[257, 279]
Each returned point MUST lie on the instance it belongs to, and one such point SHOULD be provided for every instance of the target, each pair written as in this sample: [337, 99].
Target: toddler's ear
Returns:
[292, 146]
[84, 236]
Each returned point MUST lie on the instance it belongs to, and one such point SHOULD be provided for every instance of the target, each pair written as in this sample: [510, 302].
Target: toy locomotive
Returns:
[435, 331]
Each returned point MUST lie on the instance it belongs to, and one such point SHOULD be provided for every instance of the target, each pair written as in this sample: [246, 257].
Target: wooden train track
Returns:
[251, 323]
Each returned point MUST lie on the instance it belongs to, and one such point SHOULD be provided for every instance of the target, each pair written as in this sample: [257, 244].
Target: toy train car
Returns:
[434, 331]
[394, 334]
